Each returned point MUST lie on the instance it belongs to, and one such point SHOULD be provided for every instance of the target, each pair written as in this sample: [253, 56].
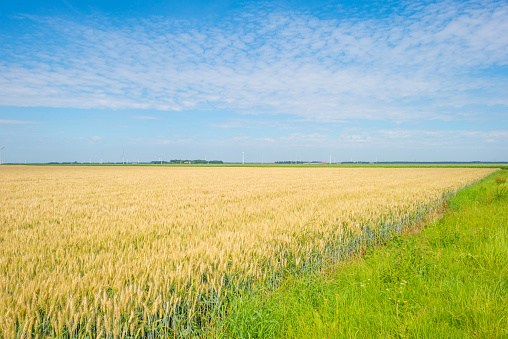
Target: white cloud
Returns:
[96, 138]
[239, 138]
[395, 138]
[143, 117]
[417, 64]
[257, 123]
[17, 122]
[429, 137]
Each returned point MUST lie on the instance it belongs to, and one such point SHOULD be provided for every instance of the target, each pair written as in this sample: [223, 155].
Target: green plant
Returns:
[500, 180]
[448, 281]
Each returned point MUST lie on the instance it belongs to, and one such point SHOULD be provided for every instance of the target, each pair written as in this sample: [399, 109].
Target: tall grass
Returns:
[448, 281]
[155, 252]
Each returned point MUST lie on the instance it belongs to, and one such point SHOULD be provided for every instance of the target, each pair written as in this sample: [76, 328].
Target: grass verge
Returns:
[450, 280]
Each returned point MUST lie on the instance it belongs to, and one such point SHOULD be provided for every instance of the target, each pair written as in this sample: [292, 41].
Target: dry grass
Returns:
[115, 250]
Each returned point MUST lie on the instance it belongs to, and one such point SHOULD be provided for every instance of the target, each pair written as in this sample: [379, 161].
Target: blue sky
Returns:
[358, 80]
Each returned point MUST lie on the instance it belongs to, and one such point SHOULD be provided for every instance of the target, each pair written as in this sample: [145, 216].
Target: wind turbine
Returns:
[243, 158]
[123, 157]
[1, 149]
[161, 158]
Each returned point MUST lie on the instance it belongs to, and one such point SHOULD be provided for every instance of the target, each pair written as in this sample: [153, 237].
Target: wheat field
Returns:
[146, 251]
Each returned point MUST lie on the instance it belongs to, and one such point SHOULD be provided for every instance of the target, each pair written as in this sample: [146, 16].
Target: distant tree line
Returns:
[355, 162]
[289, 162]
[181, 161]
[62, 163]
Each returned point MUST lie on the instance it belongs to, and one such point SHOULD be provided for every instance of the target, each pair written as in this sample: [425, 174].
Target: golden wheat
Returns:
[112, 251]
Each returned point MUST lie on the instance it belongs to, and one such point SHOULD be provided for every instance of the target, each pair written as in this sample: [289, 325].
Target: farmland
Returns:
[447, 280]
[130, 251]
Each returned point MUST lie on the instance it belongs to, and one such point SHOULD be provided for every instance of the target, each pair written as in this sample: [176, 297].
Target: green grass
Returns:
[448, 281]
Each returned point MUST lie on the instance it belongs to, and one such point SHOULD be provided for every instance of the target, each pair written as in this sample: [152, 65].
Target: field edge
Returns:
[419, 285]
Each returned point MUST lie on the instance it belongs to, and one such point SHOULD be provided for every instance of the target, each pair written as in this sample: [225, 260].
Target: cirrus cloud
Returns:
[421, 62]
